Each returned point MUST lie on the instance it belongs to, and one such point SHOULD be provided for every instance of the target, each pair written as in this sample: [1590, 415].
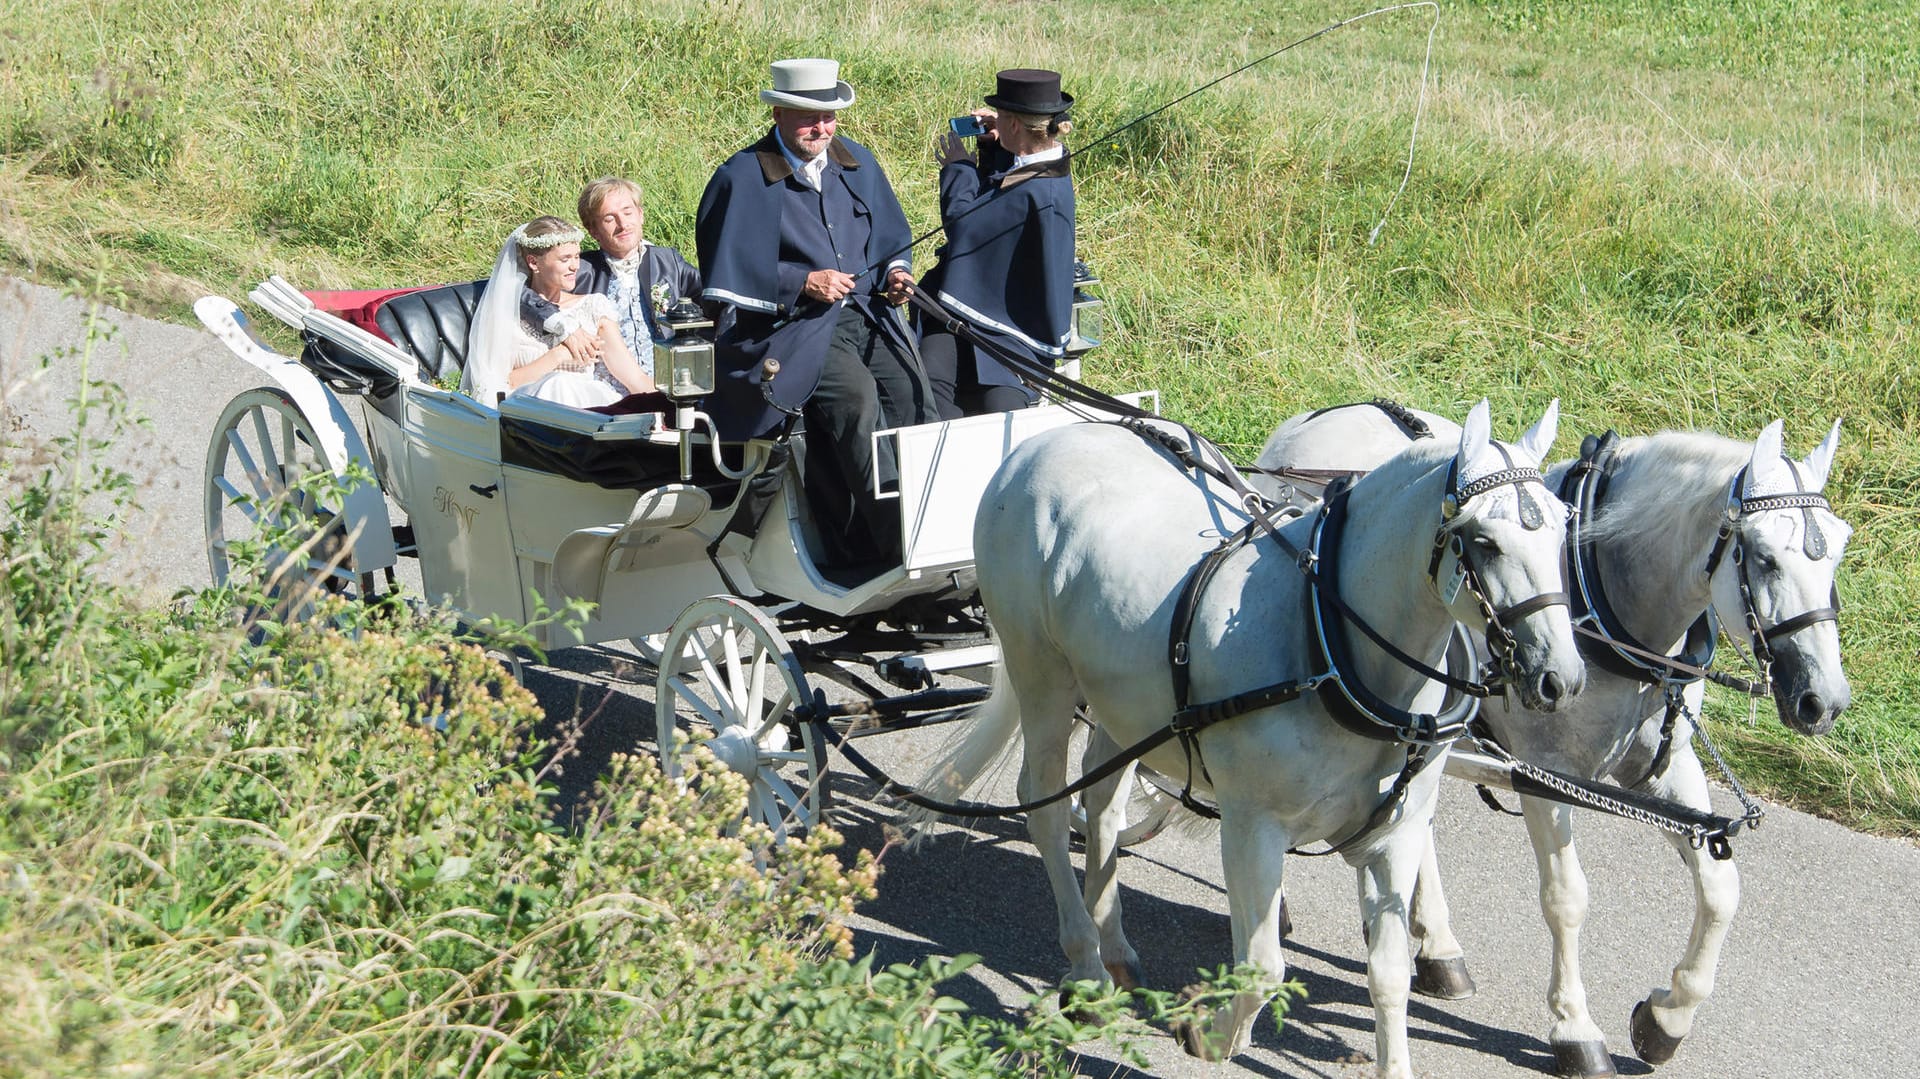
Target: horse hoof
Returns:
[1070, 996]
[1582, 1060]
[1126, 975]
[1193, 1038]
[1286, 918]
[1650, 1043]
[1446, 979]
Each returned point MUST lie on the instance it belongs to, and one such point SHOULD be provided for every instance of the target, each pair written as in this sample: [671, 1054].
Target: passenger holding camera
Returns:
[1006, 268]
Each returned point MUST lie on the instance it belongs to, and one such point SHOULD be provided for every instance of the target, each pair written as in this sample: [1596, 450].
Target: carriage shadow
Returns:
[981, 889]
[592, 701]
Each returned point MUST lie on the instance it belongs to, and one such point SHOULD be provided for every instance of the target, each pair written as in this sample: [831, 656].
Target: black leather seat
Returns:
[432, 325]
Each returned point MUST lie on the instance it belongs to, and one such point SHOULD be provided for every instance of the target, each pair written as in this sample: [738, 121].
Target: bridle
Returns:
[1729, 545]
[1450, 547]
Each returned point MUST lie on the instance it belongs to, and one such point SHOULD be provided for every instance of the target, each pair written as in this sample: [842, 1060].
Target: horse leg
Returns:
[1579, 1046]
[1439, 964]
[1666, 1016]
[1046, 724]
[1105, 810]
[1386, 882]
[1253, 853]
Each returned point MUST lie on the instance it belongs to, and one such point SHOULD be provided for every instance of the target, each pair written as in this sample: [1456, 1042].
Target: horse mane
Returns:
[1687, 493]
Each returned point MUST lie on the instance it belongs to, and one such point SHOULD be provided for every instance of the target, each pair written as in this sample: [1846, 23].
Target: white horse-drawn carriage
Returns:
[1286, 669]
[702, 554]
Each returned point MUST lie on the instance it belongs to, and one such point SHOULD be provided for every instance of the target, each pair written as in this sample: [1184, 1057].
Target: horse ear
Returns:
[1539, 438]
[1473, 435]
[1766, 471]
[1818, 463]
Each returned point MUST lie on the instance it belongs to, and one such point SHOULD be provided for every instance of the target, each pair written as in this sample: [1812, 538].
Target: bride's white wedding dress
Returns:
[581, 389]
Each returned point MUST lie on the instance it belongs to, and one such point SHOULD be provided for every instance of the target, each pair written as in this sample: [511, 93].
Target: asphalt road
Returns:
[1816, 980]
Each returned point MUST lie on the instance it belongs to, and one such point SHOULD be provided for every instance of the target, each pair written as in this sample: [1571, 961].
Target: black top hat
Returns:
[1029, 90]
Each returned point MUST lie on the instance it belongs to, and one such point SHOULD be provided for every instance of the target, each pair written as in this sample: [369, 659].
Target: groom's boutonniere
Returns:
[662, 297]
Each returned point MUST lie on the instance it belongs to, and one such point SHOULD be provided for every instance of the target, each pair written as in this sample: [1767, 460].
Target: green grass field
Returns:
[1665, 214]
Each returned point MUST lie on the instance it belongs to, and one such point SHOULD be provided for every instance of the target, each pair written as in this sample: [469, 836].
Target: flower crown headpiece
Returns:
[551, 239]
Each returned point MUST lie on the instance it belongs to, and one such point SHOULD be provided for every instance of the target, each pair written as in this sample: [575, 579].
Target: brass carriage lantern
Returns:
[683, 360]
[1083, 334]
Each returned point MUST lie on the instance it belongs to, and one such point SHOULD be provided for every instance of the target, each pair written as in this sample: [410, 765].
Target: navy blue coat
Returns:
[1007, 264]
[657, 264]
[754, 261]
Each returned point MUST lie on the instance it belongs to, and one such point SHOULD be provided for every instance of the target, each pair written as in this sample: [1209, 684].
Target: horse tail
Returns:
[980, 753]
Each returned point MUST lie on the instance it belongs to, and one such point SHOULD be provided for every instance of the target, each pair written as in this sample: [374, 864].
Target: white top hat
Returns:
[808, 84]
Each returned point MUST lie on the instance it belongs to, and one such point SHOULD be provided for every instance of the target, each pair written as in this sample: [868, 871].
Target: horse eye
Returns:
[1486, 545]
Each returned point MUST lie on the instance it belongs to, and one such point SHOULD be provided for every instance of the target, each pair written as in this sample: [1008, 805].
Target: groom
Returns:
[641, 279]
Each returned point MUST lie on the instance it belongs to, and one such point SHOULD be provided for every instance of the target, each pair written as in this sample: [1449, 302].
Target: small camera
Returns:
[967, 127]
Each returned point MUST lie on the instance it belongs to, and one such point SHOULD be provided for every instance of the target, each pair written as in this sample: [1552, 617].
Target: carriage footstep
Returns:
[1583, 1060]
[1651, 1043]
[1447, 979]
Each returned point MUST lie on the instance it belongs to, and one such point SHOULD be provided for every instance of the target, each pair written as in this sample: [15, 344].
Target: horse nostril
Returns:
[1812, 710]
[1551, 688]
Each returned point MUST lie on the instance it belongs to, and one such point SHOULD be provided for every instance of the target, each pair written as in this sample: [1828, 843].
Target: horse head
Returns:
[1501, 533]
[1773, 568]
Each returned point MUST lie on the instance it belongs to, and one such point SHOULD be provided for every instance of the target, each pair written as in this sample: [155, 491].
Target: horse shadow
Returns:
[982, 890]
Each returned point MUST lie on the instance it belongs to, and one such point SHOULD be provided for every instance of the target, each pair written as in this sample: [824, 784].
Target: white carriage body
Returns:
[503, 524]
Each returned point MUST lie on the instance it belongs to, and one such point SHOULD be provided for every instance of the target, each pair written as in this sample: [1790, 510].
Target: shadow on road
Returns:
[982, 890]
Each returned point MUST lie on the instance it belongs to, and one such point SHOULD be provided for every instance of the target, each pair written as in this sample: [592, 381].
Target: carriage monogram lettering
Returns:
[443, 501]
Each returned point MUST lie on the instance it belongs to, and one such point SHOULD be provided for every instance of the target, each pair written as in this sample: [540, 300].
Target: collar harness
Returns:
[1351, 703]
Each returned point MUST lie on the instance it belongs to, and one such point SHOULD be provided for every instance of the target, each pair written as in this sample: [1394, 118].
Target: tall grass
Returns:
[1680, 214]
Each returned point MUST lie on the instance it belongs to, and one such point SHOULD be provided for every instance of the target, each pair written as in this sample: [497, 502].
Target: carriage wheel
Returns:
[725, 666]
[1147, 807]
[262, 449]
[653, 645]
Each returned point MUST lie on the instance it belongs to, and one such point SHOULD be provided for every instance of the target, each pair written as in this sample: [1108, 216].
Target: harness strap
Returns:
[1603, 640]
[1329, 610]
[1187, 607]
[1802, 621]
[1509, 615]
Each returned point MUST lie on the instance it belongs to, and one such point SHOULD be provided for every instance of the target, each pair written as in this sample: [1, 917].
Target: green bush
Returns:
[233, 846]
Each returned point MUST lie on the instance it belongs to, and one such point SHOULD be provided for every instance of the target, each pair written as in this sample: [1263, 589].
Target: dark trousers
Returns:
[869, 382]
[956, 384]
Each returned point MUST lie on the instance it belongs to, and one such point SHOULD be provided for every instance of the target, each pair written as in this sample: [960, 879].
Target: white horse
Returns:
[1084, 539]
[1686, 524]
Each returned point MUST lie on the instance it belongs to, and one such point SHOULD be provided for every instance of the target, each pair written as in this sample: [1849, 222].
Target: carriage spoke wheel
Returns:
[258, 505]
[1145, 807]
[725, 667]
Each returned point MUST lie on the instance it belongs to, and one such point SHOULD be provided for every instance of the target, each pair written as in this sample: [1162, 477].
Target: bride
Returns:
[576, 358]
